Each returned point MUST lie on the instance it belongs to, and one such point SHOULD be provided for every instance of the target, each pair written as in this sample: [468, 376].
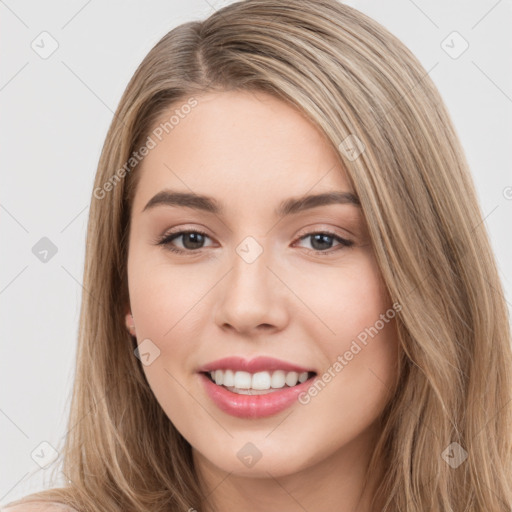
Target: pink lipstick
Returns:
[247, 402]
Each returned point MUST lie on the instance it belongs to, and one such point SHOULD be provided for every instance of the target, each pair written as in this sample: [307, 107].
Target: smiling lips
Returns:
[253, 389]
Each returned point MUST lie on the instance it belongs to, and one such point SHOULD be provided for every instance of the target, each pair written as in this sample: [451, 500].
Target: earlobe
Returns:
[130, 324]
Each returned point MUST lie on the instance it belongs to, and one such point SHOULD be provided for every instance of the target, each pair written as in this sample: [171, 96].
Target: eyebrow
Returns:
[289, 206]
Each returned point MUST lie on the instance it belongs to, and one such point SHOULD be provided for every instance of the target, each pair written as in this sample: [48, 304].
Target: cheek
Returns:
[164, 303]
[361, 349]
[162, 296]
[347, 300]
[167, 303]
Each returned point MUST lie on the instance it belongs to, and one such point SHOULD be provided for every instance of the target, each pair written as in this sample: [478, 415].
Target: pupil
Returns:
[318, 238]
[195, 244]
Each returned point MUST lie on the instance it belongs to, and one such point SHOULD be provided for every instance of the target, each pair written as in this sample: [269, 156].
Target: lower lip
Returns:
[253, 406]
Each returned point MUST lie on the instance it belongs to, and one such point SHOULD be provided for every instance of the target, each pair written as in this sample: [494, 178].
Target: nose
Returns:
[251, 300]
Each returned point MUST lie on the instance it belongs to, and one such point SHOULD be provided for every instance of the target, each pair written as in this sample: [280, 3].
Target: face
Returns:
[241, 276]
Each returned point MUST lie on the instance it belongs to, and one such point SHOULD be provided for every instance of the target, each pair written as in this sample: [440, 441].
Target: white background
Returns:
[55, 115]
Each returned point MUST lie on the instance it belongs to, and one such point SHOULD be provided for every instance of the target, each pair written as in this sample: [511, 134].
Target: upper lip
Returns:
[261, 363]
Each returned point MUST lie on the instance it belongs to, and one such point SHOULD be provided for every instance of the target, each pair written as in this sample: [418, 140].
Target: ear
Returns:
[130, 324]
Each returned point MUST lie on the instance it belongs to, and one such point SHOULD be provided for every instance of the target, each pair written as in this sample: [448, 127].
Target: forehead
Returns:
[242, 146]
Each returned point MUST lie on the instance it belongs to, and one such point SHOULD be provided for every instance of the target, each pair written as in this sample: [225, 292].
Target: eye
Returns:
[323, 240]
[191, 239]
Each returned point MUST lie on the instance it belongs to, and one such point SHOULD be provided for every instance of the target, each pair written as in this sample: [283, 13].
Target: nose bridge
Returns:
[250, 273]
[249, 297]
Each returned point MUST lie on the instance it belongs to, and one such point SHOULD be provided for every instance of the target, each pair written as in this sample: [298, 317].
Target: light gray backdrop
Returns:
[64, 67]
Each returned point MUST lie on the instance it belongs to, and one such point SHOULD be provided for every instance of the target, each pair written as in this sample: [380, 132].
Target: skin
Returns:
[250, 151]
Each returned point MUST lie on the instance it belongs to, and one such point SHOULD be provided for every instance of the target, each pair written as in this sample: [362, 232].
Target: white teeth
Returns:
[278, 379]
[259, 380]
[229, 378]
[291, 378]
[242, 380]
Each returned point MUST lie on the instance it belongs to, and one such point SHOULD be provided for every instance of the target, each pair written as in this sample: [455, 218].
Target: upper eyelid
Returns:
[307, 231]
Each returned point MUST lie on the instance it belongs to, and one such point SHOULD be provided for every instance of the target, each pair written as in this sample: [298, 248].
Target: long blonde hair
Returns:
[355, 80]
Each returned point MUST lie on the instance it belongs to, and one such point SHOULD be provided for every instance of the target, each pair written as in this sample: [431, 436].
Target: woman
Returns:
[291, 302]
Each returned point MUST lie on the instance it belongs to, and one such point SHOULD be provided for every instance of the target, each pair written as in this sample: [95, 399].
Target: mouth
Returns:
[258, 383]
[239, 393]
[255, 388]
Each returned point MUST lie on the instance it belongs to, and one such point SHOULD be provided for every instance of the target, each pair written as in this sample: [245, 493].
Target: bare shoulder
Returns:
[36, 506]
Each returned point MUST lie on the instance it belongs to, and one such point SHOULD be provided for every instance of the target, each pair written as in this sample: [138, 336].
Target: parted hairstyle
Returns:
[356, 82]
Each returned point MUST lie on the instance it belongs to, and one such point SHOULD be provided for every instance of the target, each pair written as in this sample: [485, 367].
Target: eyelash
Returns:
[168, 238]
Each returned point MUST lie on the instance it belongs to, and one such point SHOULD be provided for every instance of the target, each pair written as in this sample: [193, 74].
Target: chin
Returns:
[276, 463]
